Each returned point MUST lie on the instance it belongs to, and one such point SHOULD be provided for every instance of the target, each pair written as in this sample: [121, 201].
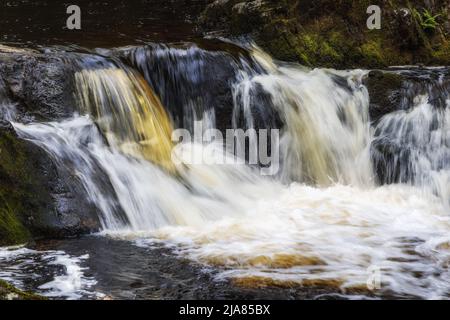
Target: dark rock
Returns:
[397, 88]
[37, 197]
[394, 90]
[40, 84]
[384, 92]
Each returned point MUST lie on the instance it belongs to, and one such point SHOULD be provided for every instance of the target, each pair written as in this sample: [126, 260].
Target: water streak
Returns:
[128, 111]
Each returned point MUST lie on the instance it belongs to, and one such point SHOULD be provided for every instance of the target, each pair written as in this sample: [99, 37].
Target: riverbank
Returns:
[334, 34]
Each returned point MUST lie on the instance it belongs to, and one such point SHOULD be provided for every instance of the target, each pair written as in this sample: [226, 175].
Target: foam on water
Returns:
[57, 274]
[322, 222]
[253, 228]
[330, 236]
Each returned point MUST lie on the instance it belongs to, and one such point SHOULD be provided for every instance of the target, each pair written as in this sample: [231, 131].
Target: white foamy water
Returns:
[323, 221]
[246, 225]
[423, 134]
[327, 134]
[310, 235]
[59, 275]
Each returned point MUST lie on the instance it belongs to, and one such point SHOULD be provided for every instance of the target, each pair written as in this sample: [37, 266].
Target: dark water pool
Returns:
[98, 267]
[104, 23]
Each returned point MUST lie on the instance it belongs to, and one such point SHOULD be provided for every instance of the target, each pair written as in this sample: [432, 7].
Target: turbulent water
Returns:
[323, 220]
[128, 111]
[53, 273]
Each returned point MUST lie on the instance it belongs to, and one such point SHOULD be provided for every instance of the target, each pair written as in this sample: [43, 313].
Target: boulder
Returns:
[40, 83]
[38, 198]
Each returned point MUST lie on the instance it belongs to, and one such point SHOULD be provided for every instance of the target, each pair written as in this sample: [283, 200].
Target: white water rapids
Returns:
[322, 221]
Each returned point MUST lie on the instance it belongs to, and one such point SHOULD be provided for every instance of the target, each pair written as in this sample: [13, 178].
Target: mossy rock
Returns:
[9, 292]
[330, 33]
[12, 231]
[37, 198]
[14, 185]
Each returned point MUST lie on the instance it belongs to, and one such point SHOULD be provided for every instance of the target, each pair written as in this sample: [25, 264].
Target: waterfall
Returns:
[7, 108]
[412, 145]
[189, 80]
[327, 130]
[127, 110]
[323, 220]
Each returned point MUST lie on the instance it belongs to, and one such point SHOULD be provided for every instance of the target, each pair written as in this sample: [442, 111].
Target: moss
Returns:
[373, 53]
[15, 179]
[284, 45]
[12, 230]
[442, 53]
[9, 292]
[308, 49]
[327, 33]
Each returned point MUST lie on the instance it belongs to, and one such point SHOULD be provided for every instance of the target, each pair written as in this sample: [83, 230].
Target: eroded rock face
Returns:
[40, 83]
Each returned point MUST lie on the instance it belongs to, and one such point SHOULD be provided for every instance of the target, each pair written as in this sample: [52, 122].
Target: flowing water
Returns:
[324, 220]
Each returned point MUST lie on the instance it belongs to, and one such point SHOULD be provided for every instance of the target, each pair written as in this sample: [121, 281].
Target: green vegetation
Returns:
[334, 34]
[15, 177]
[12, 230]
[9, 292]
[427, 20]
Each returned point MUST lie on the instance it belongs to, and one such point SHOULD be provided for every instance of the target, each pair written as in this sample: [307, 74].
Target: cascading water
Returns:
[127, 110]
[322, 222]
[416, 139]
[7, 109]
[189, 80]
[327, 131]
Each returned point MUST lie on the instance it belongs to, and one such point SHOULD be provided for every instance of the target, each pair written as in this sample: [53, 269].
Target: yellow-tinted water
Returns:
[128, 112]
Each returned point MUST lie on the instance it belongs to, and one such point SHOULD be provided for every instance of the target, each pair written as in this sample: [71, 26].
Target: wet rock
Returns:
[40, 84]
[401, 89]
[384, 92]
[38, 198]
